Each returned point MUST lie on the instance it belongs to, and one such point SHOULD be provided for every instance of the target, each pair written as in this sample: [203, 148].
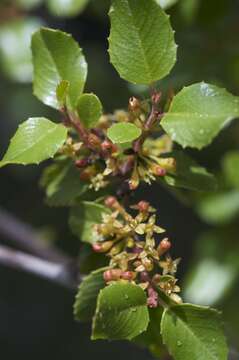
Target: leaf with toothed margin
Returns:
[193, 332]
[86, 298]
[198, 113]
[36, 139]
[141, 42]
[121, 312]
[57, 56]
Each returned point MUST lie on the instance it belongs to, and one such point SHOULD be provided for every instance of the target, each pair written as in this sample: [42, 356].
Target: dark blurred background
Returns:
[35, 313]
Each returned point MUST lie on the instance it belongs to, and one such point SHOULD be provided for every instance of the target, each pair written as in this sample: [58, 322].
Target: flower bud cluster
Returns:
[100, 161]
[152, 161]
[135, 255]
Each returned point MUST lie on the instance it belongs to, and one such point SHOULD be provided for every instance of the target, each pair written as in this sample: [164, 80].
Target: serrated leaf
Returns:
[89, 109]
[15, 40]
[62, 184]
[66, 8]
[121, 312]
[62, 90]
[141, 42]
[83, 218]
[86, 298]
[193, 333]
[230, 166]
[219, 208]
[57, 57]
[121, 133]
[36, 139]
[190, 175]
[198, 113]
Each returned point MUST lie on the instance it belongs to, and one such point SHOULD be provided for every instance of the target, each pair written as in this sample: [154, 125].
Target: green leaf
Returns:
[57, 57]
[62, 91]
[165, 4]
[219, 208]
[66, 8]
[124, 132]
[83, 218]
[36, 139]
[216, 256]
[141, 42]
[121, 312]
[89, 109]
[202, 285]
[198, 113]
[190, 175]
[193, 333]
[152, 338]
[86, 298]
[62, 184]
[15, 40]
[230, 166]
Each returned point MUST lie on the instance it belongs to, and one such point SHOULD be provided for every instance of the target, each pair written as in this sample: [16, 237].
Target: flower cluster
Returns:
[134, 253]
[100, 161]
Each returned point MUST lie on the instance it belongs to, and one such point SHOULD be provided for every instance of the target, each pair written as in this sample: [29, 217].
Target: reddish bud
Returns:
[111, 201]
[143, 206]
[112, 274]
[159, 171]
[97, 247]
[152, 300]
[128, 275]
[106, 145]
[164, 246]
[81, 163]
[102, 247]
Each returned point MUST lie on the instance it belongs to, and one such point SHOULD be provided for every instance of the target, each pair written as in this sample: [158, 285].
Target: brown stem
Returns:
[76, 123]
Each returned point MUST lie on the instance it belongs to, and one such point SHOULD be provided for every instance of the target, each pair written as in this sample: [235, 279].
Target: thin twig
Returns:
[54, 272]
[25, 238]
